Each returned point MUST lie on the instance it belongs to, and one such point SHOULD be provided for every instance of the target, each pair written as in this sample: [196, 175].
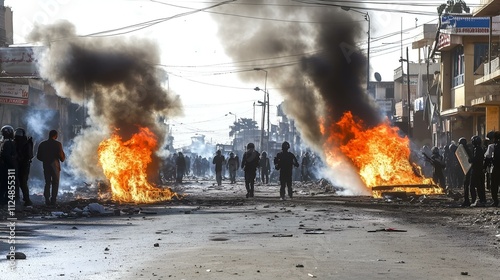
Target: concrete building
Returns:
[468, 105]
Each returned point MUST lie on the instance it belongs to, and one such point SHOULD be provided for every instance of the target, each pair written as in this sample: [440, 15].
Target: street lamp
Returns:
[367, 18]
[264, 105]
[235, 120]
[407, 60]
[266, 102]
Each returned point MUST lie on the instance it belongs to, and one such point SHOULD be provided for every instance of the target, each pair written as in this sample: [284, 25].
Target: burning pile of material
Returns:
[323, 90]
[380, 154]
[116, 80]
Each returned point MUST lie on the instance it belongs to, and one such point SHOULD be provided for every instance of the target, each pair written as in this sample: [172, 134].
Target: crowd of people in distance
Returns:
[251, 167]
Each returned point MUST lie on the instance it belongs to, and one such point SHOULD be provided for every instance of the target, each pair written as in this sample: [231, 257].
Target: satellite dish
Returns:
[377, 76]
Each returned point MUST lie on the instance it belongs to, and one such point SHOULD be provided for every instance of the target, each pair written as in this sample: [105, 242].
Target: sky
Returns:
[214, 85]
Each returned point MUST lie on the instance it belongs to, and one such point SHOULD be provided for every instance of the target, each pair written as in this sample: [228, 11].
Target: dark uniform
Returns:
[51, 153]
[8, 165]
[265, 168]
[495, 173]
[476, 173]
[284, 162]
[218, 161]
[250, 163]
[24, 148]
[438, 166]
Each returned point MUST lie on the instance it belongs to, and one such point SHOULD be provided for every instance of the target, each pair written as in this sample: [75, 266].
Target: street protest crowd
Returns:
[254, 167]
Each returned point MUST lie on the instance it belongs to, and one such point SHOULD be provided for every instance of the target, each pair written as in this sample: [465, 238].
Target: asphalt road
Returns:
[215, 233]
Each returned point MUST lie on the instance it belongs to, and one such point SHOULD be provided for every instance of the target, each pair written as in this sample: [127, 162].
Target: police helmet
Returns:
[497, 136]
[490, 135]
[476, 140]
[251, 146]
[435, 150]
[7, 132]
[20, 132]
[462, 141]
[285, 146]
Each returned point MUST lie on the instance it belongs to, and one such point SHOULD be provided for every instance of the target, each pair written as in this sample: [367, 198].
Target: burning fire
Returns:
[381, 156]
[125, 165]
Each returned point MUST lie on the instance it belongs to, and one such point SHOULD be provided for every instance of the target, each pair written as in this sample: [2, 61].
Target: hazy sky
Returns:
[206, 79]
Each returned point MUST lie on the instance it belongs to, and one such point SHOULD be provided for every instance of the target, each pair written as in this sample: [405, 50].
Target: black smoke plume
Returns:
[114, 77]
[312, 59]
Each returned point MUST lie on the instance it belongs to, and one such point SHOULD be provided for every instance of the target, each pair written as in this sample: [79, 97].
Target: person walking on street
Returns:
[8, 164]
[249, 164]
[218, 161]
[265, 168]
[24, 149]
[477, 174]
[284, 162]
[233, 164]
[51, 154]
[180, 167]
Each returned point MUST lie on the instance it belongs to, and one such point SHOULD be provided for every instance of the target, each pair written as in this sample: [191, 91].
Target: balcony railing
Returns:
[495, 63]
[458, 80]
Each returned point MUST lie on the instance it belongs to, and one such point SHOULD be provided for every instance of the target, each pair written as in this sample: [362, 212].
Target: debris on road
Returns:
[282, 235]
[388, 229]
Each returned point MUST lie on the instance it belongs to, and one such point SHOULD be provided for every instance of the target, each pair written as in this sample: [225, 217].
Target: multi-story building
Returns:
[468, 103]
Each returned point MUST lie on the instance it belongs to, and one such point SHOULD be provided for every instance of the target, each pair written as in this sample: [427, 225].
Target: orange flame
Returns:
[125, 165]
[381, 156]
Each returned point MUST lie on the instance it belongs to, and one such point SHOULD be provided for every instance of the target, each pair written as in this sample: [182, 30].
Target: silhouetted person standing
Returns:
[250, 163]
[265, 168]
[218, 161]
[233, 163]
[476, 173]
[180, 164]
[494, 154]
[8, 164]
[51, 154]
[284, 162]
[24, 148]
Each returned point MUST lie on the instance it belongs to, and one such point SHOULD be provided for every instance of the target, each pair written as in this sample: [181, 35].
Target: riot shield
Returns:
[463, 158]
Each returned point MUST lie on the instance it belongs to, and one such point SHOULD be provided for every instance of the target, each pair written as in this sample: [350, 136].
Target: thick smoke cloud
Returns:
[115, 78]
[325, 76]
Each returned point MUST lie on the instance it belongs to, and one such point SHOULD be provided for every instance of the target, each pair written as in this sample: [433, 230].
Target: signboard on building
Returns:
[14, 94]
[18, 62]
[468, 25]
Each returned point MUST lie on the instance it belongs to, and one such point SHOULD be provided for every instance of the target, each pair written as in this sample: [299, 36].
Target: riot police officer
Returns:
[284, 162]
[8, 164]
[476, 173]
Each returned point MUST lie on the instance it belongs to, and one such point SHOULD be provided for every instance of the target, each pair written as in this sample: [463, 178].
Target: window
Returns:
[389, 93]
[458, 66]
[480, 54]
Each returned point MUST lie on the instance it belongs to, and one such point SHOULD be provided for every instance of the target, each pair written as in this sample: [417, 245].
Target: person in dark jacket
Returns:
[233, 164]
[250, 163]
[438, 166]
[24, 149]
[284, 162]
[8, 165]
[476, 173]
[51, 154]
[218, 161]
[265, 168]
[180, 164]
[494, 154]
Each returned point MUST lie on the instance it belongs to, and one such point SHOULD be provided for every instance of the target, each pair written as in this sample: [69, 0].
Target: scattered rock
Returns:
[16, 256]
